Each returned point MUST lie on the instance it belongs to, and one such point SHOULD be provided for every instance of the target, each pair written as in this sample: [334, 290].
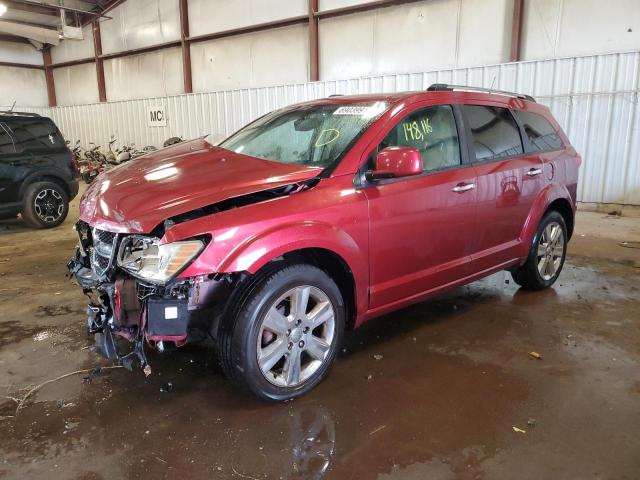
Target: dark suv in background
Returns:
[38, 174]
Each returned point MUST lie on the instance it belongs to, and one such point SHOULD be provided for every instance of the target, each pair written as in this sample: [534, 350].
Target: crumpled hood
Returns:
[137, 196]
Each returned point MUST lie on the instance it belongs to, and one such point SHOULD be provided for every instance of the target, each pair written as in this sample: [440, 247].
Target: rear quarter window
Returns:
[494, 131]
[36, 134]
[542, 136]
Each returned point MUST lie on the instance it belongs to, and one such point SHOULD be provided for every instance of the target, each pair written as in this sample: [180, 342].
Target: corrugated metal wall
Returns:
[595, 98]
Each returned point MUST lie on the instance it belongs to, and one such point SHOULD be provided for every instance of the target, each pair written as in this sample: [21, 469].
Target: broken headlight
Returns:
[146, 258]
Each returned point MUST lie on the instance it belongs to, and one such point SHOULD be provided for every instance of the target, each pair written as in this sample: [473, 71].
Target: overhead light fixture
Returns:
[3, 9]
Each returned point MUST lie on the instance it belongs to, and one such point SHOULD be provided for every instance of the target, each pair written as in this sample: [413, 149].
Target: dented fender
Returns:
[255, 251]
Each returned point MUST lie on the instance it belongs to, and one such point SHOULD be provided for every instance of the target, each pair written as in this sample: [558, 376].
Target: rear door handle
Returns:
[464, 187]
[534, 171]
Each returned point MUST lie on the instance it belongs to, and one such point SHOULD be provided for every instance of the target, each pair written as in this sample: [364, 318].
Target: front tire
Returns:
[284, 334]
[45, 205]
[547, 254]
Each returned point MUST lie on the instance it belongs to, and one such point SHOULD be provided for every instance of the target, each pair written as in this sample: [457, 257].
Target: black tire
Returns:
[239, 332]
[44, 214]
[528, 275]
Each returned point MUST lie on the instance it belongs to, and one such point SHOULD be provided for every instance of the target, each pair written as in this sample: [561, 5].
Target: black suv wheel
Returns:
[547, 254]
[284, 334]
[45, 205]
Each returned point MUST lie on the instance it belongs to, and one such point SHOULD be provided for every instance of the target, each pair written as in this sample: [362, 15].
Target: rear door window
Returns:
[6, 142]
[542, 136]
[36, 134]
[495, 133]
[431, 130]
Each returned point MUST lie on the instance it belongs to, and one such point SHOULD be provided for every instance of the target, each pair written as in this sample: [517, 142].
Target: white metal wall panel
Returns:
[556, 28]
[74, 49]
[76, 85]
[477, 44]
[594, 98]
[140, 24]
[331, 4]
[25, 86]
[262, 58]
[209, 16]
[415, 37]
[412, 37]
[151, 74]
[19, 53]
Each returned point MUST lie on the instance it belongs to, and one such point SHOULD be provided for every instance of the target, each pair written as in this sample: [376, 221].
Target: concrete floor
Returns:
[455, 377]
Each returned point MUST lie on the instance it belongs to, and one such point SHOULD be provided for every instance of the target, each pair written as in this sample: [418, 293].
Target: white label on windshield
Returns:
[352, 110]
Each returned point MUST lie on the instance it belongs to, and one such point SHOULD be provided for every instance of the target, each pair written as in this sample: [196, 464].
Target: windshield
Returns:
[310, 135]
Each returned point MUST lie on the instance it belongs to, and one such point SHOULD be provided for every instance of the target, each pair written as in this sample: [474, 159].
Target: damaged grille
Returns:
[103, 251]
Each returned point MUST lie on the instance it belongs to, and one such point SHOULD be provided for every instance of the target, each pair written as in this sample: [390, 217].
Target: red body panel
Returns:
[420, 234]
[402, 239]
[505, 196]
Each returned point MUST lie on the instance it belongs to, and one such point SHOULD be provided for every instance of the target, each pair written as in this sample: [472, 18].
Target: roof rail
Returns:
[444, 87]
[19, 114]
[336, 95]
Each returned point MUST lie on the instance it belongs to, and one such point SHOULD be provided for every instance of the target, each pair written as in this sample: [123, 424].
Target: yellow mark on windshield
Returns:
[332, 135]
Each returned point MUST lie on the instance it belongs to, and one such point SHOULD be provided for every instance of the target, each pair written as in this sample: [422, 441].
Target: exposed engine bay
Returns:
[127, 279]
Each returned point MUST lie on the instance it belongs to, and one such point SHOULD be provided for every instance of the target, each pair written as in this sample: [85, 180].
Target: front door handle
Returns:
[464, 187]
[534, 171]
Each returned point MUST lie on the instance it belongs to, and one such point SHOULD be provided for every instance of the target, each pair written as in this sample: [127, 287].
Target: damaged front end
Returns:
[134, 294]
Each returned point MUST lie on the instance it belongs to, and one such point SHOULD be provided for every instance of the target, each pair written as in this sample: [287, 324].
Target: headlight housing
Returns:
[147, 259]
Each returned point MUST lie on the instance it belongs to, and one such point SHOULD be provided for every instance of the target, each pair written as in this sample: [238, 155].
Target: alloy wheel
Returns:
[295, 336]
[48, 205]
[550, 251]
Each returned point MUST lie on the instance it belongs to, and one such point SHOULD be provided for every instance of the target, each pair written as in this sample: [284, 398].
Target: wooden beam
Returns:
[516, 30]
[48, 74]
[97, 52]
[186, 47]
[314, 59]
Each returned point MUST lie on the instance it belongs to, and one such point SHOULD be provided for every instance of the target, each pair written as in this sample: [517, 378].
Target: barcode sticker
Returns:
[352, 110]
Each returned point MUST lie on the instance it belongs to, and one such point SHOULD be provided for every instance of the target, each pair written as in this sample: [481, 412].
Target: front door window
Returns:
[431, 130]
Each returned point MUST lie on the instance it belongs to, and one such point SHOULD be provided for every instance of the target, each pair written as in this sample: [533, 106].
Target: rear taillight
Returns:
[578, 159]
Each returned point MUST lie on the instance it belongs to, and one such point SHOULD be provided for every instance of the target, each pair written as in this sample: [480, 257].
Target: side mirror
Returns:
[396, 162]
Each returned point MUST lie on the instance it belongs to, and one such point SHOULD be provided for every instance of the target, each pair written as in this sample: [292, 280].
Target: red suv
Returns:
[317, 217]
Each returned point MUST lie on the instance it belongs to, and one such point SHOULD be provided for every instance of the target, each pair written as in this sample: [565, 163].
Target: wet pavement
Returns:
[429, 392]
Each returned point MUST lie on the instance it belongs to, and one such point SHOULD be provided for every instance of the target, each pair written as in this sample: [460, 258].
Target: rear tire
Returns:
[546, 256]
[45, 205]
[284, 334]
